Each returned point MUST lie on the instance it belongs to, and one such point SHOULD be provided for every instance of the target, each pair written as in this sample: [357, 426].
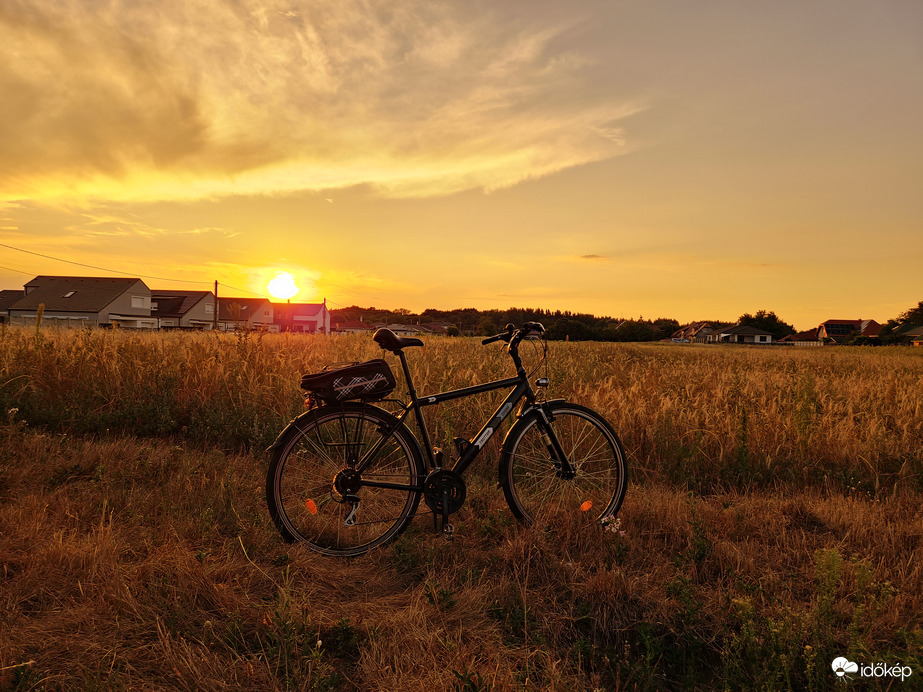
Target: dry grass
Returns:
[756, 550]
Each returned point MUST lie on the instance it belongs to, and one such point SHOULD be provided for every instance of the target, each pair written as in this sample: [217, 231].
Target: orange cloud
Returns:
[135, 101]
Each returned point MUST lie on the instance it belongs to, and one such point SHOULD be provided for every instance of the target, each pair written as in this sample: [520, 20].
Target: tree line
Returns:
[559, 324]
[577, 326]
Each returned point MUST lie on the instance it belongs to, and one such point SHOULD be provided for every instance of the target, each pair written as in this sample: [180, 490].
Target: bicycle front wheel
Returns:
[344, 480]
[536, 487]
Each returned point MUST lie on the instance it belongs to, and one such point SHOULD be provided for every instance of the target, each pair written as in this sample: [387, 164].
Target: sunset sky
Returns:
[693, 160]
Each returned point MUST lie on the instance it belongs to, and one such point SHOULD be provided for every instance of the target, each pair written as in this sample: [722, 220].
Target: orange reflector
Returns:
[311, 507]
[585, 507]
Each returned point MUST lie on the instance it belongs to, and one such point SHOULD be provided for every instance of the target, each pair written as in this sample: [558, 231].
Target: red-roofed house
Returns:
[843, 330]
[808, 338]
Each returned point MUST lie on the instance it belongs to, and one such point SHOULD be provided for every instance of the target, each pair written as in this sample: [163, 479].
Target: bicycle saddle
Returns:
[390, 341]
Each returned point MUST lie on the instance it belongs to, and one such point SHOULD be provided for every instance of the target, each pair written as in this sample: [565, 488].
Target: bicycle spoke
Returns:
[311, 479]
[533, 483]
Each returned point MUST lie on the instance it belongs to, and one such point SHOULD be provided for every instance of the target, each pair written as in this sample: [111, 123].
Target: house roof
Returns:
[845, 328]
[175, 302]
[10, 296]
[248, 307]
[810, 335]
[73, 293]
[690, 331]
[744, 329]
[299, 309]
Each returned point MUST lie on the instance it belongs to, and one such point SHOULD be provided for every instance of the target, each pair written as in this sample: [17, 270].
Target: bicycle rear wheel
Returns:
[537, 490]
[344, 480]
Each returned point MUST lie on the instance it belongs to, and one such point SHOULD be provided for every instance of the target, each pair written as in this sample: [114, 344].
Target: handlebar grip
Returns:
[491, 339]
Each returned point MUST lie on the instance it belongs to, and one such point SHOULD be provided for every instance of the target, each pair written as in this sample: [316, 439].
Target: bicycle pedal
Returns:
[448, 532]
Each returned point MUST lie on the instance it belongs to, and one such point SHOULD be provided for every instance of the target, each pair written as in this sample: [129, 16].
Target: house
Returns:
[740, 334]
[245, 313]
[352, 327]
[696, 331]
[85, 300]
[440, 328]
[7, 298]
[311, 318]
[406, 329]
[915, 335]
[808, 338]
[183, 309]
[840, 331]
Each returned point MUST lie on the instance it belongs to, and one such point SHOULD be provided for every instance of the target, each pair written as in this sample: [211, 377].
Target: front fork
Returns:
[565, 469]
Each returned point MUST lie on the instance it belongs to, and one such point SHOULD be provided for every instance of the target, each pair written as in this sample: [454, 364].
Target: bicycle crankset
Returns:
[444, 491]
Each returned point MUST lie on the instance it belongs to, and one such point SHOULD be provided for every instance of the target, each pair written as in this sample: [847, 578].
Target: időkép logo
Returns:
[846, 670]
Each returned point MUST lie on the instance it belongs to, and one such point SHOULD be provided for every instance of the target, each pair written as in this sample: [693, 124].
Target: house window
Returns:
[69, 294]
[209, 308]
[137, 301]
[266, 312]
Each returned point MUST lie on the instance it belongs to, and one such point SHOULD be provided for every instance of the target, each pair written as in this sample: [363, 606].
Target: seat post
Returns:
[418, 412]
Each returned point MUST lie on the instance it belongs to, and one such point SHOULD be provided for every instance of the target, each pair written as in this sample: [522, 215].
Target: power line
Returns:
[102, 269]
[18, 271]
[115, 271]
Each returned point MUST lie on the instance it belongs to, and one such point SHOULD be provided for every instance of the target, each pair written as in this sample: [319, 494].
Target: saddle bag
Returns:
[348, 381]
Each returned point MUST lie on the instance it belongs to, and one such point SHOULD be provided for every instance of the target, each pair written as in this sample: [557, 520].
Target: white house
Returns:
[740, 334]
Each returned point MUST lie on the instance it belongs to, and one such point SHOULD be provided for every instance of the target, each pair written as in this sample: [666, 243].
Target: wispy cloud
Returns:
[128, 100]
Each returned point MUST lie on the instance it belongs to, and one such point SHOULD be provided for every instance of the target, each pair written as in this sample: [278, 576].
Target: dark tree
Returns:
[768, 322]
[893, 330]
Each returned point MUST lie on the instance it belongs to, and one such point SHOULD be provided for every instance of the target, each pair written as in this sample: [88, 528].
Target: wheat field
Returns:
[773, 522]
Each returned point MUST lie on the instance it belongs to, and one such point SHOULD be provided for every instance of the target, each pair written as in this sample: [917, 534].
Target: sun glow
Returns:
[282, 286]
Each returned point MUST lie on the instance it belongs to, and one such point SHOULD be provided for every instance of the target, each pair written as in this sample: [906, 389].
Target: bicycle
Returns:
[347, 476]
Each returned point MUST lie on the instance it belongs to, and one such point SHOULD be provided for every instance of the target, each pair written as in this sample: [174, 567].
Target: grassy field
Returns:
[773, 523]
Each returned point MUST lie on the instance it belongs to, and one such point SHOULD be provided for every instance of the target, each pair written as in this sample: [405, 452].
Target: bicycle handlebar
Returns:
[513, 336]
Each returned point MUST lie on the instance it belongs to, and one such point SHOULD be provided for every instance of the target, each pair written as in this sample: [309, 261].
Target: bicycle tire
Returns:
[535, 491]
[314, 450]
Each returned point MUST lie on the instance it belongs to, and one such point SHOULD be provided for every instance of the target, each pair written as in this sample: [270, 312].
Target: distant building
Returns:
[183, 309]
[808, 338]
[352, 327]
[310, 318]
[697, 332]
[740, 334]
[245, 313]
[915, 335]
[843, 330]
[7, 298]
[83, 300]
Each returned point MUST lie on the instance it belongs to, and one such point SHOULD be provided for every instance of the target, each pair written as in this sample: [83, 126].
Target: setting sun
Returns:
[282, 286]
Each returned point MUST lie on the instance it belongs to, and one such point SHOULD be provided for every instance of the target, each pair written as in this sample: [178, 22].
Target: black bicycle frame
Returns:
[521, 390]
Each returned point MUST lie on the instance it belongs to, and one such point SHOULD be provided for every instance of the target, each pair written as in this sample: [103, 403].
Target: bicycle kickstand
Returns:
[448, 531]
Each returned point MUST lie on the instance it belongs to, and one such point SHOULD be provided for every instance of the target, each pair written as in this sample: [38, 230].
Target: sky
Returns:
[658, 158]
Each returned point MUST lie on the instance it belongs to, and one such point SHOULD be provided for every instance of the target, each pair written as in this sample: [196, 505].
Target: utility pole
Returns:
[215, 319]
